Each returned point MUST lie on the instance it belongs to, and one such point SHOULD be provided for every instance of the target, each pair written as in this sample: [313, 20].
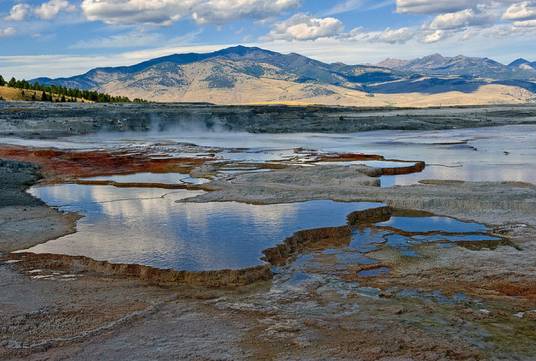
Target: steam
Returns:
[187, 124]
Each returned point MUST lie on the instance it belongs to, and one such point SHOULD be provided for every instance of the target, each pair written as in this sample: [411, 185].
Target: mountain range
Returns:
[437, 64]
[242, 75]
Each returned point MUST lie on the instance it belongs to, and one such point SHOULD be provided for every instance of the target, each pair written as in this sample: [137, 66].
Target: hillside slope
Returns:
[16, 94]
[242, 75]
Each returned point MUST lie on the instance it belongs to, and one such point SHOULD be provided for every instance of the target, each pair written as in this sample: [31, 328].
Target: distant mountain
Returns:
[460, 65]
[392, 63]
[523, 64]
[241, 75]
[253, 62]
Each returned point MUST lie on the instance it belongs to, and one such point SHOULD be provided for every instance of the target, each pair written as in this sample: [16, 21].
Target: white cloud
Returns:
[434, 37]
[432, 6]
[18, 12]
[303, 27]
[390, 36]
[460, 19]
[446, 6]
[50, 9]
[523, 11]
[525, 24]
[5, 32]
[221, 11]
[165, 12]
[130, 12]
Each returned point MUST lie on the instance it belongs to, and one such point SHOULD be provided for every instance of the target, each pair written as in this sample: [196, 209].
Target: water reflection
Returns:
[147, 226]
[160, 178]
[505, 153]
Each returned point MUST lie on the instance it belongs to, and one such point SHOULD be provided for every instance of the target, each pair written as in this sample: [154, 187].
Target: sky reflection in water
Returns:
[131, 225]
[506, 153]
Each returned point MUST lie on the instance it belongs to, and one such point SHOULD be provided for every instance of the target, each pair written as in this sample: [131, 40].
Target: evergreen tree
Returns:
[64, 94]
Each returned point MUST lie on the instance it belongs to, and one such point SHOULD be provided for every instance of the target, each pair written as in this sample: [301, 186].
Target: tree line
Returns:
[64, 94]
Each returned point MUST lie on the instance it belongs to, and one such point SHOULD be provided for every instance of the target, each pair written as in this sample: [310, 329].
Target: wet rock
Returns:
[223, 278]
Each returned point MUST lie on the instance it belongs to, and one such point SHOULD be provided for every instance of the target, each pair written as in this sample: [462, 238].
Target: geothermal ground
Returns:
[220, 233]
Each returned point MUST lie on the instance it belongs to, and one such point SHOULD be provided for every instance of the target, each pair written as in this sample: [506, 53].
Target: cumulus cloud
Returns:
[305, 27]
[434, 37]
[50, 9]
[5, 32]
[220, 11]
[165, 12]
[18, 12]
[302, 27]
[460, 19]
[522, 11]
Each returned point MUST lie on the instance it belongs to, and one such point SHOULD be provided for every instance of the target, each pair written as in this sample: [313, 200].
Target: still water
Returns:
[147, 226]
[160, 178]
[505, 153]
[153, 227]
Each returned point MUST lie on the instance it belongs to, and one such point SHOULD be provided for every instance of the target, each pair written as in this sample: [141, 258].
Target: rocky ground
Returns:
[49, 120]
[49, 312]
[454, 303]
[24, 220]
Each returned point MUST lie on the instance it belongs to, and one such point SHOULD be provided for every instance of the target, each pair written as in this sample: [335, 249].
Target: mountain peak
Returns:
[392, 63]
[434, 57]
[518, 62]
[242, 50]
[242, 74]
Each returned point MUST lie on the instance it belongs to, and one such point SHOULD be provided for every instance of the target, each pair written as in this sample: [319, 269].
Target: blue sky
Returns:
[68, 37]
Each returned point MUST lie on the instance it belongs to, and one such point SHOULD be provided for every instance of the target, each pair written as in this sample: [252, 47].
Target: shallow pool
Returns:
[147, 226]
[150, 178]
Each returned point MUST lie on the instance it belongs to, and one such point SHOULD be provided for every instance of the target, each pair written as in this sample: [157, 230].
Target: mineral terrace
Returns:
[460, 301]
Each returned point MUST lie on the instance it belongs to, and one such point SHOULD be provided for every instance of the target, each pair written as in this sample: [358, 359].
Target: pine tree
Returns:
[44, 97]
[12, 82]
[2, 81]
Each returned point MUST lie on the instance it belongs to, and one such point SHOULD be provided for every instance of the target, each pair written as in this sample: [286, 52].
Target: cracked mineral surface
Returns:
[392, 244]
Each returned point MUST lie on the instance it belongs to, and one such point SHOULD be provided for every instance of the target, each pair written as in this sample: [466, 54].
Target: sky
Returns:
[68, 37]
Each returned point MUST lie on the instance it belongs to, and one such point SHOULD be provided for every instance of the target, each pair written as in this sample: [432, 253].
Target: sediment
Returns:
[60, 166]
[492, 203]
[163, 277]
[24, 220]
[46, 120]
